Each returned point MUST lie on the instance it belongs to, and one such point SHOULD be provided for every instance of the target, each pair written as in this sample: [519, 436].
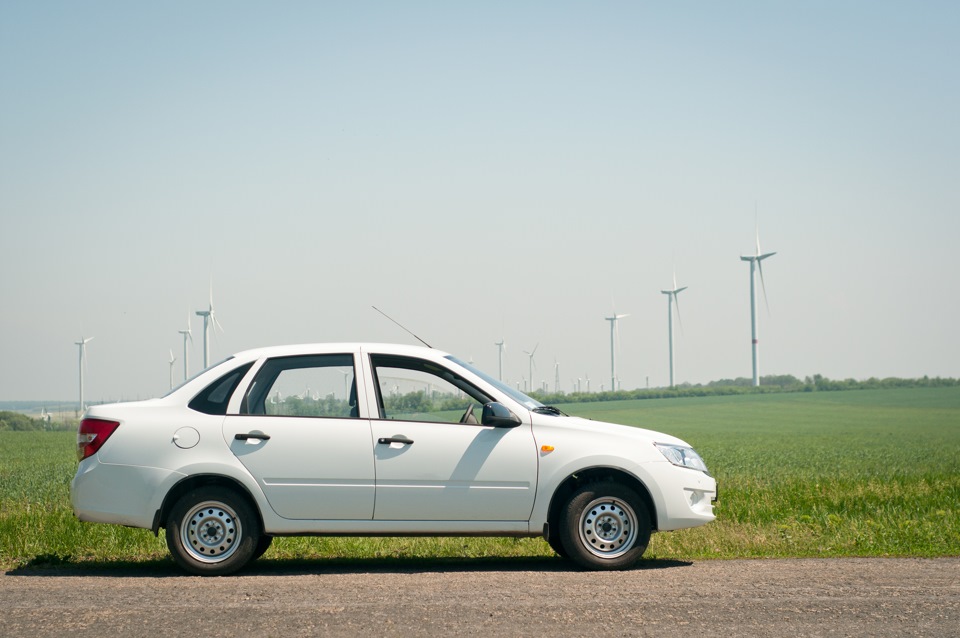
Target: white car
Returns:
[380, 440]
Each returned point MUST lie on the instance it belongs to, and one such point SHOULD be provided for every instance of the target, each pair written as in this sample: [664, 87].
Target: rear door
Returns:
[299, 434]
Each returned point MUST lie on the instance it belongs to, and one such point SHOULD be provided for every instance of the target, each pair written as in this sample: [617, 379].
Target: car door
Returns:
[298, 432]
[434, 461]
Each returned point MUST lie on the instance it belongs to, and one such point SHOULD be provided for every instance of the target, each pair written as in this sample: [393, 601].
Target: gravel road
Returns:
[816, 597]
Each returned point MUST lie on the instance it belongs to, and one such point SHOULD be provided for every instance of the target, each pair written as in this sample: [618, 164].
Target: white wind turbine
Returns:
[532, 364]
[187, 334]
[209, 321]
[500, 348]
[83, 351]
[614, 329]
[756, 264]
[671, 302]
[172, 360]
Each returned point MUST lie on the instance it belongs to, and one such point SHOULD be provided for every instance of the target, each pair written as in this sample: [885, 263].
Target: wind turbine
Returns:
[614, 328]
[500, 348]
[83, 350]
[172, 360]
[209, 321]
[671, 302]
[756, 263]
[187, 334]
[532, 364]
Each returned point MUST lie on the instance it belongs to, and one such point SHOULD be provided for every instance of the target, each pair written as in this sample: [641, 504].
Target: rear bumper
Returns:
[119, 494]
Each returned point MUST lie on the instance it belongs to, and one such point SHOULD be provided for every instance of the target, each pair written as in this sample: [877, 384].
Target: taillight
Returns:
[91, 436]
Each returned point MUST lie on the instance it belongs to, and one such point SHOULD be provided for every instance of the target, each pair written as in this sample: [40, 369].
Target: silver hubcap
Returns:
[210, 532]
[608, 527]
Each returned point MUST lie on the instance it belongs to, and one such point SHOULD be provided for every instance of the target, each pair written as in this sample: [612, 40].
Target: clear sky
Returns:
[479, 171]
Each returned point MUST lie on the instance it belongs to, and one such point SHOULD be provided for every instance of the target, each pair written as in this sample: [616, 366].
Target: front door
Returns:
[434, 461]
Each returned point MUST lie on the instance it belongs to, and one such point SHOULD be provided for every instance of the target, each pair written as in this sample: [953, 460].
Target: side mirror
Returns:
[497, 415]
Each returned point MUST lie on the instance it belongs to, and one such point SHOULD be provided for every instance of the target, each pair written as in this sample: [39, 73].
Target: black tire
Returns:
[557, 546]
[262, 546]
[605, 526]
[212, 531]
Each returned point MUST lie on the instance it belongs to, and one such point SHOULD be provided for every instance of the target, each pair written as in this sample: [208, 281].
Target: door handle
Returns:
[399, 438]
[252, 435]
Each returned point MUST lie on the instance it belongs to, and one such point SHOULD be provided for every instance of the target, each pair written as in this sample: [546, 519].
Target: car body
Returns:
[376, 439]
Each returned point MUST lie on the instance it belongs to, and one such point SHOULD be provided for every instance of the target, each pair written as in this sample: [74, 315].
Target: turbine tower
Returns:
[187, 334]
[671, 302]
[614, 328]
[500, 348]
[83, 350]
[172, 360]
[756, 263]
[532, 364]
[209, 322]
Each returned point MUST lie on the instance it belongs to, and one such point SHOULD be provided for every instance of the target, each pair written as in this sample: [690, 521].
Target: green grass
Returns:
[865, 473]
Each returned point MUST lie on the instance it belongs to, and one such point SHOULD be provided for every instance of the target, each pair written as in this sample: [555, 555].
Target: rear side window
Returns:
[321, 385]
[215, 397]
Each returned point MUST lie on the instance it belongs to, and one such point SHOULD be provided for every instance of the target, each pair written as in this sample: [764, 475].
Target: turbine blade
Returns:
[676, 302]
[763, 286]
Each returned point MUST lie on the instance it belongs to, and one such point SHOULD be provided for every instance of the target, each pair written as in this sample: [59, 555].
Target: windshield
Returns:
[513, 393]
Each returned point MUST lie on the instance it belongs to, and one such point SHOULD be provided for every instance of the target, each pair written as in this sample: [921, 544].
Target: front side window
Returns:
[304, 386]
[417, 390]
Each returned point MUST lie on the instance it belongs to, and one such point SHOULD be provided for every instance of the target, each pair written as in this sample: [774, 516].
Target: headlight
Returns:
[682, 456]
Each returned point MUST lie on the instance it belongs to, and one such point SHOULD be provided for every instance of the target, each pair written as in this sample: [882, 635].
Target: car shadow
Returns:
[45, 566]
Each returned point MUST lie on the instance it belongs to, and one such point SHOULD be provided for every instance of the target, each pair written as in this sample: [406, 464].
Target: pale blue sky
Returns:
[479, 171]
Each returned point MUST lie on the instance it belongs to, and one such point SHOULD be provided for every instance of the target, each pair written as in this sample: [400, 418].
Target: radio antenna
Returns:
[402, 326]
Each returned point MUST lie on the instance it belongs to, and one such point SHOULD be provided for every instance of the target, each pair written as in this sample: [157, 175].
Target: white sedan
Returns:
[380, 440]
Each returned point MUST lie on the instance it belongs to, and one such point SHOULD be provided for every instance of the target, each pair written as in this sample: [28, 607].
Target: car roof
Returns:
[351, 347]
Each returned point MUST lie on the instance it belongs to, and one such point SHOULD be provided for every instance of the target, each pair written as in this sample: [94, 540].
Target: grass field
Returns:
[859, 473]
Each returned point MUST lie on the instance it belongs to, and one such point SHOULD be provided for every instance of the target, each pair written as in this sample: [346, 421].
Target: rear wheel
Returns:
[212, 531]
[262, 546]
[557, 546]
[605, 526]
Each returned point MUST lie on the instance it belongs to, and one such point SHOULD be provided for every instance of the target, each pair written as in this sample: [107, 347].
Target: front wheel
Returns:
[605, 526]
[212, 531]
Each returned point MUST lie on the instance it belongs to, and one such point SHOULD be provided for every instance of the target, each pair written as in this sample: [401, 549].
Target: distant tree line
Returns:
[743, 385]
[17, 422]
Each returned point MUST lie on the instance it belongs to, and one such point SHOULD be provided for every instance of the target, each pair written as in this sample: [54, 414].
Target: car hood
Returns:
[604, 428]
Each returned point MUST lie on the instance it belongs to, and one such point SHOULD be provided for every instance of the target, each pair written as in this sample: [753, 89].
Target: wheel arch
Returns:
[202, 480]
[595, 475]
